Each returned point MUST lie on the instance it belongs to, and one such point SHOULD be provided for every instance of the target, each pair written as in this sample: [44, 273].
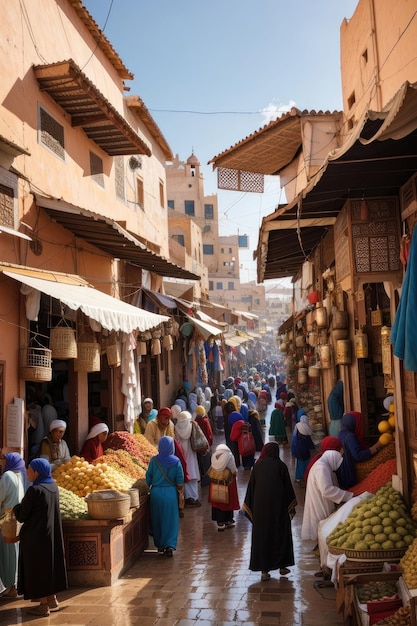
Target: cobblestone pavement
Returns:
[207, 582]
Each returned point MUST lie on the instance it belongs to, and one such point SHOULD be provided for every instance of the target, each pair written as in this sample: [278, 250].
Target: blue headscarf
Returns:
[166, 448]
[228, 393]
[14, 462]
[244, 411]
[300, 412]
[181, 403]
[234, 416]
[43, 468]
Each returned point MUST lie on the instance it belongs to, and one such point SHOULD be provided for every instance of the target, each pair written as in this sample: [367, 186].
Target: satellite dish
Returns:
[134, 163]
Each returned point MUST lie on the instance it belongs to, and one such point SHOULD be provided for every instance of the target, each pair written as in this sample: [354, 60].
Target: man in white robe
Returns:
[322, 493]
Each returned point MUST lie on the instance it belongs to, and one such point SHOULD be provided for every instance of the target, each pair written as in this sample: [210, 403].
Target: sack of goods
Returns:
[198, 439]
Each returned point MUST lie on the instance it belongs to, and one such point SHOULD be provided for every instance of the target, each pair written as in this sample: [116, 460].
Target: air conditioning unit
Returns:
[408, 195]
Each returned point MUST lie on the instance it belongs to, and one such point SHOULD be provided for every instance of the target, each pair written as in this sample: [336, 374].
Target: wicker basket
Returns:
[63, 343]
[10, 530]
[36, 364]
[88, 357]
[113, 354]
[368, 555]
[107, 504]
[134, 497]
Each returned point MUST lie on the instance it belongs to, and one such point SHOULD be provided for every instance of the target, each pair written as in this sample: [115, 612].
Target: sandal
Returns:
[265, 576]
[284, 571]
[221, 527]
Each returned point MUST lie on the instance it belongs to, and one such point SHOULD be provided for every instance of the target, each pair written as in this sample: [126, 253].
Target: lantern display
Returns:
[361, 345]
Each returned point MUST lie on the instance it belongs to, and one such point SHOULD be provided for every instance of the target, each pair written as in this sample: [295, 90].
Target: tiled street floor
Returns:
[207, 582]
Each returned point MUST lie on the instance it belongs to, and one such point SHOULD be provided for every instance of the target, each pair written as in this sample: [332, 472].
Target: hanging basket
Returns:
[36, 364]
[171, 327]
[113, 355]
[142, 348]
[155, 347]
[63, 343]
[156, 332]
[168, 342]
[88, 358]
[113, 352]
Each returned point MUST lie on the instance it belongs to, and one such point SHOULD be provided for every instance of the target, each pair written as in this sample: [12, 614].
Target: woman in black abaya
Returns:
[270, 505]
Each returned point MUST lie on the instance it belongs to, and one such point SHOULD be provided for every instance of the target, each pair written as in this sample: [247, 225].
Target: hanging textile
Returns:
[404, 330]
[130, 381]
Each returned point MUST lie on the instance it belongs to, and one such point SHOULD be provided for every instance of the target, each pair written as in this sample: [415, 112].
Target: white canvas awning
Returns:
[206, 330]
[111, 313]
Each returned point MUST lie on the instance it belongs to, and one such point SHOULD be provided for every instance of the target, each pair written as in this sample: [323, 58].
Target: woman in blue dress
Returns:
[12, 490]
[165, 476]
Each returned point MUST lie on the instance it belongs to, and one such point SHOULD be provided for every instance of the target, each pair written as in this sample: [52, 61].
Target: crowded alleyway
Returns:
[207, 582]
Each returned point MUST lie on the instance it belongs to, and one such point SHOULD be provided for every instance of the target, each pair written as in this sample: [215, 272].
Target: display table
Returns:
[98, 552]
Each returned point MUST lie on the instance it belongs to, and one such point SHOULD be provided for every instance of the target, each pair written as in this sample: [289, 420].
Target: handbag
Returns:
[246, 442]
[219, 494]
[198, 439]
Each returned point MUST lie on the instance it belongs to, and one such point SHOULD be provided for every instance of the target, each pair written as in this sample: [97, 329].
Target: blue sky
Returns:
[213, 72]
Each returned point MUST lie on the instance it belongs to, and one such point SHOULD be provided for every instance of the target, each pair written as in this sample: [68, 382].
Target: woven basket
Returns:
[368, 555]
[63, 343]
[35, 364]
[88, 357]
[134, 497]
[113, 507]
[113, 355]
[10, 530]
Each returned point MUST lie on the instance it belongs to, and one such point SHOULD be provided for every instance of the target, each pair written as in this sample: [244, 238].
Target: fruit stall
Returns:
[105, 510]
[370, 544]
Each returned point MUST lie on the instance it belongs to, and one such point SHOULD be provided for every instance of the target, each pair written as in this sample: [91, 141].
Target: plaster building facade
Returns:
[344, 235]
[83, 222]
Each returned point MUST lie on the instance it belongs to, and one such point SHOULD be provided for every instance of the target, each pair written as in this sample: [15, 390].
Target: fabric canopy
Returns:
[205, 330]
[111, 313]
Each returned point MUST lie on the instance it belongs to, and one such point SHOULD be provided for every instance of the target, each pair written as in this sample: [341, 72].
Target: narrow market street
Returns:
[207, 582]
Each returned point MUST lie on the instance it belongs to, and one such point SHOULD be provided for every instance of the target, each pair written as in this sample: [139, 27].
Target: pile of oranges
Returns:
[387, 427]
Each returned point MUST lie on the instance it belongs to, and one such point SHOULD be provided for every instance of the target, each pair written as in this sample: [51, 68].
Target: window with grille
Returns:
[140, 193]
[208, 249]
[211, 285]
[96, 169]
[51, 133]
[219, 285]
[119, 177]
[231, 286]
[6, 206]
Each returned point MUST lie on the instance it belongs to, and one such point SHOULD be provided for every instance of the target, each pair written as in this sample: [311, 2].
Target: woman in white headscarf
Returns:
[93, 446]
[53, 447]
[222, 460]
[182, 430]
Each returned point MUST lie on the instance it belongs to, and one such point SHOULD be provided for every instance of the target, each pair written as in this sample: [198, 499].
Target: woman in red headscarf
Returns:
[328, 443]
